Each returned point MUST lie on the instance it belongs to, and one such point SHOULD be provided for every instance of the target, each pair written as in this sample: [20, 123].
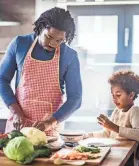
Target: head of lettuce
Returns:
[20, 149]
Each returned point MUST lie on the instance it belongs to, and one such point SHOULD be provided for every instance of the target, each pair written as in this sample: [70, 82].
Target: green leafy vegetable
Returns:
[3, 142]
[82, 149]
[42, 151]
[11, 135]
[93, 157]
[20, 149]
[27, 160]
[14, 133]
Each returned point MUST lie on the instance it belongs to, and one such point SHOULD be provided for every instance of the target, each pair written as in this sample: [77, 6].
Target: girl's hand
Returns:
[105, 122]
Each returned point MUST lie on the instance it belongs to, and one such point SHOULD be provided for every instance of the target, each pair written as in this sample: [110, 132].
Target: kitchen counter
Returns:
[118, 156]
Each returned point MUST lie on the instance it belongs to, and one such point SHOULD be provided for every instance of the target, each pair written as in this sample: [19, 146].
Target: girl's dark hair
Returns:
[57, 18]
[127, 80]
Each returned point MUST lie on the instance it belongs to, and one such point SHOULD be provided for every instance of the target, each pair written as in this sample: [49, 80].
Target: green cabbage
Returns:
[20, 149]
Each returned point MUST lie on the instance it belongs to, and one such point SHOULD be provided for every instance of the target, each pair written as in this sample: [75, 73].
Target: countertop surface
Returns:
[118, 156]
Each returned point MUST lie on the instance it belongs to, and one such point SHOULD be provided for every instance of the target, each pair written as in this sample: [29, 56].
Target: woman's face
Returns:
[120, 97]
[51, 38]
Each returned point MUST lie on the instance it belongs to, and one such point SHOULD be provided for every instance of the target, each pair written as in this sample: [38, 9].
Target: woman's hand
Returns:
[105, 122]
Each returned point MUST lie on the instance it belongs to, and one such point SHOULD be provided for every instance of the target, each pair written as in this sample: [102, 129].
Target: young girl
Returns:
[124, 123]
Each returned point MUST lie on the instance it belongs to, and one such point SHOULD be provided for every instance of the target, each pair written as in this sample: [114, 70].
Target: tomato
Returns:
[3, 135]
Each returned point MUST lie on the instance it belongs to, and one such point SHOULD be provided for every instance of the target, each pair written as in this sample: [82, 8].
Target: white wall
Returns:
[43, 5]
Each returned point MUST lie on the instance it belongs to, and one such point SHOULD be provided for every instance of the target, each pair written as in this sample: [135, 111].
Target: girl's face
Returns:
[120, 97]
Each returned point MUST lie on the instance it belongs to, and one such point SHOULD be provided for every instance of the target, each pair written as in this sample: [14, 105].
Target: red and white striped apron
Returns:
[39, 94]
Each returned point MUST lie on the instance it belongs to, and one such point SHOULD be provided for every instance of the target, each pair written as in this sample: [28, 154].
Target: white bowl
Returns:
[71, 136]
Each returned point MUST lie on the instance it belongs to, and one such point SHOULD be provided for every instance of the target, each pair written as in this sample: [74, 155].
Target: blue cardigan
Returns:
[69, 72]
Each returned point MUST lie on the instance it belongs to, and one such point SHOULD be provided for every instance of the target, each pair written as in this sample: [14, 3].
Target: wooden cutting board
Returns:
[103, 153]
[43, 161]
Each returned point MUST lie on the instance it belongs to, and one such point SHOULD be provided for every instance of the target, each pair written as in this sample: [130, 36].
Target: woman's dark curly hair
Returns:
[127, 80]
[57, 18]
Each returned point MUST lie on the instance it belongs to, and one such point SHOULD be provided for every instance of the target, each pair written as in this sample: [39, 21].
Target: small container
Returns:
[71, 136]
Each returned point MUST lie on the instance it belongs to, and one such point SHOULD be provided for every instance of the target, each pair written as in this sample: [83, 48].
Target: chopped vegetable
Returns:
[82, 149]
[58, 161]
[79, 153]
[75, 155]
